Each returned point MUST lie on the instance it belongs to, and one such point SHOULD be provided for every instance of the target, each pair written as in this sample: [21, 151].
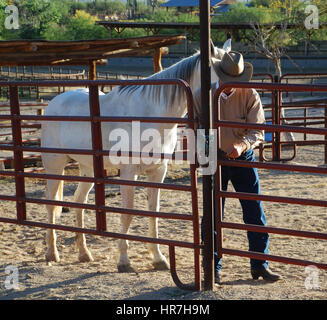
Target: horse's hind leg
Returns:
[53, 190]
[159, 260]
[81, 196]
[53, 164]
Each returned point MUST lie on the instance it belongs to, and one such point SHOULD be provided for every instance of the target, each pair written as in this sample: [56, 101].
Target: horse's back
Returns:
[75, 102]
[67, 134]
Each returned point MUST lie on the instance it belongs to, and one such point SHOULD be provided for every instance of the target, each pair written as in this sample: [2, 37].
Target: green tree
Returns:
[63, 7]
[272, 41]
[83, 27]
[3, 5]
[78, 6]
[7, 34]
[153, 4]
[115, 7]
[55, 32]
[270, 36]
[35, 16]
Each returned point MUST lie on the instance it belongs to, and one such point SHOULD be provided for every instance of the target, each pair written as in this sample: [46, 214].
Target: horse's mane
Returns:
[165, 93]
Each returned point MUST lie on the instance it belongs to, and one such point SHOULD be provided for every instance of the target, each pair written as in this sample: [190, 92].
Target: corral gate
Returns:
[100, 179]
[219, 193]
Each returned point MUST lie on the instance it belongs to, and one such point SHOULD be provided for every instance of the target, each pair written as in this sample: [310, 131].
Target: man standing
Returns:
[241, 105]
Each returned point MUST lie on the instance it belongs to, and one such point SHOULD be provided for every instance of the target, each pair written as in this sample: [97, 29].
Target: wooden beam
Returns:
[43, 49]
[28, 53]
[95, 42]
[96, 54]
[53, 63]
[157, 60]
[15, 43]
[13, 49]
[49, 59]
[92, 70]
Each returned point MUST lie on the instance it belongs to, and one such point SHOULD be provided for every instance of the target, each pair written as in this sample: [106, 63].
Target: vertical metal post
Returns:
[218, 207]
[305, 122]
[276, 120]
[196, 235]
[195, 208]
[218, 200]
[326, 136]
[18, 154]
[207, 123]
[97, 158]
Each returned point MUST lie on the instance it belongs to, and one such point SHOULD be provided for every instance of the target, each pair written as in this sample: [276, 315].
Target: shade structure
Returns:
[57, 53]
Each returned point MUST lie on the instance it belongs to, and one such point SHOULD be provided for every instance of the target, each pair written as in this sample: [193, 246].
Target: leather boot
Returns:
[266, 274]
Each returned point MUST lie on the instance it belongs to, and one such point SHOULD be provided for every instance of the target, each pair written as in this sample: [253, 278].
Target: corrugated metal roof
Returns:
[188, 3]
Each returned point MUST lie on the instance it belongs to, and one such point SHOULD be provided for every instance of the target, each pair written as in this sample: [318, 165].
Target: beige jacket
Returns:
[242, 105]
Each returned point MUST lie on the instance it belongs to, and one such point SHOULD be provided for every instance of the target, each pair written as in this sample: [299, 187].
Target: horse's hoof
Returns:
[124, 268]
[52, 256]
[85, 257]
[161, 265]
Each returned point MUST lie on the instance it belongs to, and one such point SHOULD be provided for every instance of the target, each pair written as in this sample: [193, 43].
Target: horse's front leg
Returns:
[159, 260]
[127, 193]
[81, 196]
[51, 239]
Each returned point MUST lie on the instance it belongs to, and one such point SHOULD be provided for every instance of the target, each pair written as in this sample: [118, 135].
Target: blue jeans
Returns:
[245, 180]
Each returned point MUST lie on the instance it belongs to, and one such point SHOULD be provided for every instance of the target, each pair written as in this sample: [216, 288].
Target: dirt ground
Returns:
[24, 247]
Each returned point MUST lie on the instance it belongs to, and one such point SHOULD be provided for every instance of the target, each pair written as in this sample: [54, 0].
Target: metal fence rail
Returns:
[277, 107]
[219, 193]
[99, 178]
[32, 123]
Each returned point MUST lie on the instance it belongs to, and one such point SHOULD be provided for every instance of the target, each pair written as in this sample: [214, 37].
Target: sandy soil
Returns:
[24, 247]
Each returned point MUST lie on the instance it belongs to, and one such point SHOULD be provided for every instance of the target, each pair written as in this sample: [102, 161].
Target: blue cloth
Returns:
[268, 135]
[246, 180]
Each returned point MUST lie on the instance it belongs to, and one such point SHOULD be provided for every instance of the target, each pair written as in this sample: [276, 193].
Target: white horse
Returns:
[155, 101]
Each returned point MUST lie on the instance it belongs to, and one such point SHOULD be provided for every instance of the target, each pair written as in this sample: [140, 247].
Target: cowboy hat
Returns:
[232, 67]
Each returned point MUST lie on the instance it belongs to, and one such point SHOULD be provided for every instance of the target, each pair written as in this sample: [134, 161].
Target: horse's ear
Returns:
[213, 49]
[228, 45]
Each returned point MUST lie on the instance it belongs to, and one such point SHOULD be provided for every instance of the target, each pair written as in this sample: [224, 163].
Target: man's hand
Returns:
[235, 150]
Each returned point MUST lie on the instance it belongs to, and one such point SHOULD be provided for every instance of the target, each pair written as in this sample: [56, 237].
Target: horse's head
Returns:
[218, 54]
